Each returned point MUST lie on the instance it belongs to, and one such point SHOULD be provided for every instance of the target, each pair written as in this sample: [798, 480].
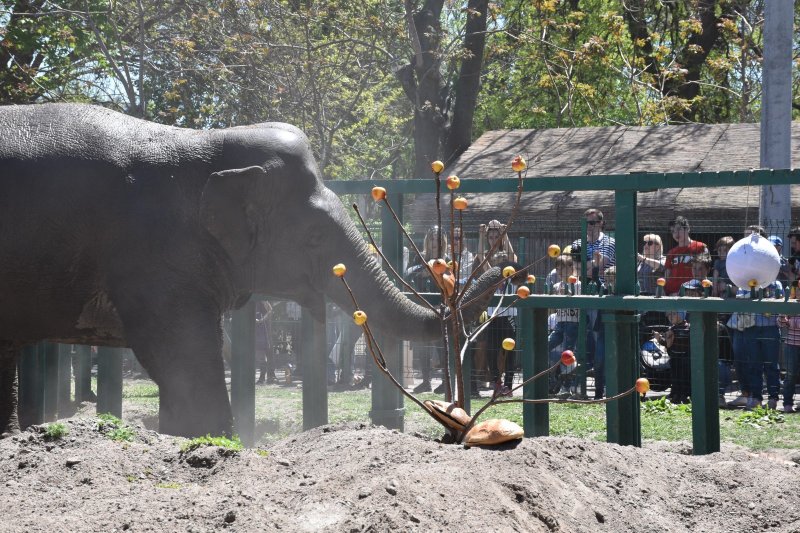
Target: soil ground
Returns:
[355, 478]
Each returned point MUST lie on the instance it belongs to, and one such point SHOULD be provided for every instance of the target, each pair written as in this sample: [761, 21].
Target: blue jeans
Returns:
[792, 355]
[566, 333]
[760, 351]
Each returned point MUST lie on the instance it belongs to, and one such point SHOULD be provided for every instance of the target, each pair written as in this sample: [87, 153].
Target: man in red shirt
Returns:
[678, 266]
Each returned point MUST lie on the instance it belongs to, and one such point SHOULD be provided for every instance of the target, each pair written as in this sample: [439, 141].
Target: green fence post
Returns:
[315, 370]
[535, 417]
[31, 385]
[622, 332]
[622, 369]
[704, 354]
[83, 373]
[109, 380]
[387, 401]
[583, 320]
[243, 369]
[50, 351]
[65, 406]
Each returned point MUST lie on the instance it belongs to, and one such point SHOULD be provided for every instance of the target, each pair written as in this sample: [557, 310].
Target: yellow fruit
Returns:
[523, 291]
[572, 279]
[508, 344]
[339, 270]
[378, 193]
[509, 271]
[752, 283]
[437, 166]
[359, 317]
[518, 163]
[706, 283]
[661, 282]
[531, 279]
[567, 358]
[460, 203]
[642, 385]
[554, 250]
[453, 182]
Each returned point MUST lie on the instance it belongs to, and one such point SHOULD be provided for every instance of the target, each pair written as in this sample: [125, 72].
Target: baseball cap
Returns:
[775, 240]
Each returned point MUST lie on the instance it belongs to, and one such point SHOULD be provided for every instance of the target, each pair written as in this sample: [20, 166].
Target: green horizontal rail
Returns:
[641, 182]
[642, 303]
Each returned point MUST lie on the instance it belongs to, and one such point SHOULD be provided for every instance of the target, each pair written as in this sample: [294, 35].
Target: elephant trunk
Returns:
[388, 309]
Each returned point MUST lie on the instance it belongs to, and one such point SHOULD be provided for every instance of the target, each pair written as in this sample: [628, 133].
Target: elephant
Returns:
[121, 232]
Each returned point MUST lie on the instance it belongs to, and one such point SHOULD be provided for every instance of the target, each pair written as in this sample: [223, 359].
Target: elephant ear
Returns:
[227, 211]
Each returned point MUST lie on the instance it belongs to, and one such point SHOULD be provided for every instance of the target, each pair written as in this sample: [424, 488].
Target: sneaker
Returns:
[739, 401]
[439, 389]
[425, 386]
[788, 409]
[772, 403]
[752, 403]
[563, 394]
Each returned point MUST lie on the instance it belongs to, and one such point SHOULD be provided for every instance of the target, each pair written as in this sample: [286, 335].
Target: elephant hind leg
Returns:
[9, 390]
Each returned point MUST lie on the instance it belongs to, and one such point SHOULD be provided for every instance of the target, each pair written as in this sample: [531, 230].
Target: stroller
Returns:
[652, 354]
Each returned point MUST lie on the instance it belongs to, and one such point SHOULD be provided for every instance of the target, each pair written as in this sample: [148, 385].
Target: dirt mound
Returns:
[361, 478]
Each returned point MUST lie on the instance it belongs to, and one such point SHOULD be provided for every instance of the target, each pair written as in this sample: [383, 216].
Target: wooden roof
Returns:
[613, 150]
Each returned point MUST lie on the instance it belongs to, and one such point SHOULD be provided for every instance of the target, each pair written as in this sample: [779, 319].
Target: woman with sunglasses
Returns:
[650, 264]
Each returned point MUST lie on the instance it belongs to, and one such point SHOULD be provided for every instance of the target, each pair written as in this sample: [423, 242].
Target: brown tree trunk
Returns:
[468, 84]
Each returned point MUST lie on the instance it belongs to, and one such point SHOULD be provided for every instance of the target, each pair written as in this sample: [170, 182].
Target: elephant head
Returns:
[284, 231]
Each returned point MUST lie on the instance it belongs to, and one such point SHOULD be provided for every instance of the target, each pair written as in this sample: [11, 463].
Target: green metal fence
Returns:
[39, 374]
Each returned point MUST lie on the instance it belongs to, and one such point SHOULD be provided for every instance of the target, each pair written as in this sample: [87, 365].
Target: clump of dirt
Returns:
[354, 477]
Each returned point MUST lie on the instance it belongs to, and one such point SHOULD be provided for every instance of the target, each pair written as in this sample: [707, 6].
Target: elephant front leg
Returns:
[182, 353]
[9, 390]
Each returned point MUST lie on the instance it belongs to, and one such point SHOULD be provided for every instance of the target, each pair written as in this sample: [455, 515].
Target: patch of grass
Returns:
[223, 442]
[114, 428]
[168, 485]
[282, 408]
[262, 453]
[760, 417]
[140, 390]
[55, 431]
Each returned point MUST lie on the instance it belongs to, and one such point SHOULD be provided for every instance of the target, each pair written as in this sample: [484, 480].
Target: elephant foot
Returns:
[9, 433]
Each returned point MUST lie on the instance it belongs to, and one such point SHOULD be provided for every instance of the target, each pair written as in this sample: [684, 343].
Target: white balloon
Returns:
[753, 258]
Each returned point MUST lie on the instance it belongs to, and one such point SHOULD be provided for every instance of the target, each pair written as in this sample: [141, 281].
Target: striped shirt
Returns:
[793, 331]
[607, 248]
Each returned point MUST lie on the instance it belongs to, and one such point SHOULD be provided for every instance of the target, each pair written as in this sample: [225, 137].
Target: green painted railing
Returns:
[620, 312]
[42, 368]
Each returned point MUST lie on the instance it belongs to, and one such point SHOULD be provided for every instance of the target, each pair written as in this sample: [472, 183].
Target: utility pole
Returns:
[775, 209]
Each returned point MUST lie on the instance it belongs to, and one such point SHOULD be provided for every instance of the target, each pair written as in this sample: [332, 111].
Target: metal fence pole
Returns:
[65, 406]
[83, 373]
[243, 369]
[50, 351]
[704, 354]
[387, 401]
[109, 380]
[622, 332]
[535, 418]
[31, 385]
[315, 370]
